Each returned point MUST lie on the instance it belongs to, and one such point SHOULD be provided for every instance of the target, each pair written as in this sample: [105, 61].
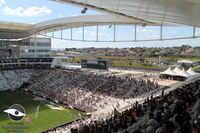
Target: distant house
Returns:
[192, 51]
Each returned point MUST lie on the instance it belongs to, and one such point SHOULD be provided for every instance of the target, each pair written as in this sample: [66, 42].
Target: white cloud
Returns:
[148, 34]
[28, 12]
[105, 27]
[91, 33]
[60, 16]
[173, 32]
[2, 2]
[73, 15]
[148, 31]
[197, 32]
[78, 30]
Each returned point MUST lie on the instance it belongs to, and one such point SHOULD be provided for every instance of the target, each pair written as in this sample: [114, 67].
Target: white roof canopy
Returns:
[184, 12]
[169, 71]
[191, 71]
[138, 12]
[178, 72]
[12, 30]
[183, 73]
[177, 69]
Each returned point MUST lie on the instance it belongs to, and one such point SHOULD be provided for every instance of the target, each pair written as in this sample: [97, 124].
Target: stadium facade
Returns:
[35, 48]
[27, 48]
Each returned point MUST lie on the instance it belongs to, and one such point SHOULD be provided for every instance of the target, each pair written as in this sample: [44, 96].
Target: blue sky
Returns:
[22, 10]
[34, 11]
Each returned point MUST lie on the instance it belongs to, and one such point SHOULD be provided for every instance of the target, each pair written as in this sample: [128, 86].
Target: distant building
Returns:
[187, 63]
[95, 64]
[195, 51]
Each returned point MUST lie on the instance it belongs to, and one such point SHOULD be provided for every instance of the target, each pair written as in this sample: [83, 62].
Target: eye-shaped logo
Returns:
[16, 112]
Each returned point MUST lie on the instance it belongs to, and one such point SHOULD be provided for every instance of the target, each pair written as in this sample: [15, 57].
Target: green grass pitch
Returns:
[47, 118]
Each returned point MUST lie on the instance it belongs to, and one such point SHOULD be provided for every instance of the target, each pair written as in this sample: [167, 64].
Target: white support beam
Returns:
[83, 34]
[71, 34]
[97, 33]
[161, 32]
[135, 33]
[35, 45]
[61, 36]
[114, 30]
[53, 34]
[194, 31]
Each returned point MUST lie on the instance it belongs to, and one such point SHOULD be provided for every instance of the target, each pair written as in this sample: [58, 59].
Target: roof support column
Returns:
[135, 38]
[61, 36]
[97, 33]
[83, 34]
[71, 33]
[35, 45]
[161, 32]
[194, 31]
[114, 30]
[53, 33]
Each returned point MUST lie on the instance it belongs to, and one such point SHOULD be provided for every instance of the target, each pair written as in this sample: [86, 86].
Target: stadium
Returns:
[95, 88]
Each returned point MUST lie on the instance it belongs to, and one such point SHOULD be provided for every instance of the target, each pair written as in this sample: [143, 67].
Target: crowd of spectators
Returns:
[13, 79]
[84, 90]
[5, 53]
[176, 112]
